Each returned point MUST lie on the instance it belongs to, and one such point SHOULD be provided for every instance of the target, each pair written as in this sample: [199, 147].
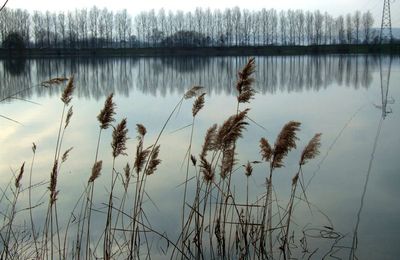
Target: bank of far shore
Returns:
[202, 51]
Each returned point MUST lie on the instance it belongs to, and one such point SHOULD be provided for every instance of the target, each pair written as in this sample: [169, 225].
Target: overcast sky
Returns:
[334, 7]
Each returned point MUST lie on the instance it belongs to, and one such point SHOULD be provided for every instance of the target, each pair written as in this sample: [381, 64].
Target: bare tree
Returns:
[310, 27]
[318, 25]
[367, 23]
[340, 29]
[300, 24]
[357, 25]
[349, 29]
[61, 23]
[283, 27]
[94, 15]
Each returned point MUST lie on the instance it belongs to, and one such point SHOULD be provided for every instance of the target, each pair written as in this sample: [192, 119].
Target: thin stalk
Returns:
[30, 206]
[285, 246]
[58, 230]
[89, 201]
[107, 231]
[9, 229]
[136, 209]
[186, 181]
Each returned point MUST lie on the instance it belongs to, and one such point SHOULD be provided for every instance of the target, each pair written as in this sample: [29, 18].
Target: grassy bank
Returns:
[204, 51]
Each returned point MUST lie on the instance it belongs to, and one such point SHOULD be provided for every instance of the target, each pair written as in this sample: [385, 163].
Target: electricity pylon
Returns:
[386, 25]
[385, 81]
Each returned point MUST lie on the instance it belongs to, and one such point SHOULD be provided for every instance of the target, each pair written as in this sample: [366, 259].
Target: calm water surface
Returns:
[352, 100]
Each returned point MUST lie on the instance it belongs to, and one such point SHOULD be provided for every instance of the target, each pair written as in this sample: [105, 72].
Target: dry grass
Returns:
[216, 222]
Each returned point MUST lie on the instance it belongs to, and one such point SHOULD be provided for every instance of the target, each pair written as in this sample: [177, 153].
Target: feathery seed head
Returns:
[141, 156]
[207, 170]
[68, 118]
[66, 96]
[192, 92]
[19, 176]
[53, 183]
[193, 159]
[209, 140]
[141, 130]
[120, 137]
[154, 161]
[231, 130]
[96, 171]
[53, 81]
[284, 143]
[243, 85]
[228, 161]
[198, 104]
[266, 150]
[311, 150]
[127, 173]
[65, 155]
[248, 169]
[106, 115]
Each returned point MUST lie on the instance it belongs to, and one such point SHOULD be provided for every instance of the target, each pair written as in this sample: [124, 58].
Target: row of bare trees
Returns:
[100, 28]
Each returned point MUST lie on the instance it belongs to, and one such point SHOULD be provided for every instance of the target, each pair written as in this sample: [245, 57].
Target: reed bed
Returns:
[215, 223]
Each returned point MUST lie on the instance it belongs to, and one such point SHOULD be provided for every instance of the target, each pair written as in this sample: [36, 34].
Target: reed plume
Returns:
[243, 85]
[68, 118]
[198, 104]
[228, 161]
[311, 150]
[141, 155]
[193, 159]
[284, 143]
[119, 138]
[266, 150]
[96, 171]
[231, 130]
[248, 169]
[207, 170]
[106, 115]
[54, 81]
[53, 183]
[127, 174]
[141, 130]
[192, 92]
[154, 161]
[209, 140]
[19, 176]
[66, 96]
[65, 154]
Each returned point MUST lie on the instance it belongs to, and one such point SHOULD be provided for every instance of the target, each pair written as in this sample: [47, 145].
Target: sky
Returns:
[334, 7]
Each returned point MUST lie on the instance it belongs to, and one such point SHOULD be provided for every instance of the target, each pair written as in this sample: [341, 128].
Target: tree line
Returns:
[102, 76]
[103, 28]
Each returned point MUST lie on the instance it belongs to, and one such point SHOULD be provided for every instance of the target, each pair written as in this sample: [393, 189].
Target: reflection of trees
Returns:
[96, 78]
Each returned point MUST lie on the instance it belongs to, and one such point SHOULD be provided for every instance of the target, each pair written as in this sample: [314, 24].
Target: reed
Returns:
[215, 223]
[51, 220]
[309, 152]
[10, 219]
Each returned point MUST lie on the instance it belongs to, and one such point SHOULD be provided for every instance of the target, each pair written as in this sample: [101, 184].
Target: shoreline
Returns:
[201, 51]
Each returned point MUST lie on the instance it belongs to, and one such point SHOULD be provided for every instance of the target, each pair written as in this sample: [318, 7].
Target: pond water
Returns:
[352, 100]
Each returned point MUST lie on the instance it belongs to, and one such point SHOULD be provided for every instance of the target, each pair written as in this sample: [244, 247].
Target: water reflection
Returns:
[160, 76]
[343, 112]
[15, 66]
[385, 67]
